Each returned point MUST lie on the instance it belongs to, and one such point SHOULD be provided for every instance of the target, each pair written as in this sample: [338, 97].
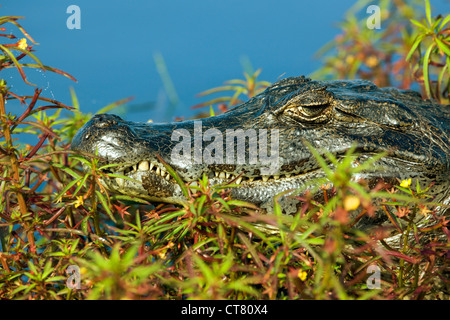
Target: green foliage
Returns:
[249, 87]
[434, 34]
[392, 55]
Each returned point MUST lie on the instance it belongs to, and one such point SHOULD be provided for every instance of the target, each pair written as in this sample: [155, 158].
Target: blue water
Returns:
[203, 43]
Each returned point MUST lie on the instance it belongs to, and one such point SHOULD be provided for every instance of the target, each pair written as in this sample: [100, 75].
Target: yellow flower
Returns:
[78, 202]
[302, 275]
[371, 61]
[349, 59]
[406, 183]
[351, 203]
[22, 44]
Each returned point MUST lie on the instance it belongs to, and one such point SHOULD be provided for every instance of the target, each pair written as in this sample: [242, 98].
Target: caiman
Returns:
[262, 145]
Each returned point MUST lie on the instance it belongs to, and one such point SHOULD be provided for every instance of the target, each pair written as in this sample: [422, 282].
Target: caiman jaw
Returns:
[147, 168]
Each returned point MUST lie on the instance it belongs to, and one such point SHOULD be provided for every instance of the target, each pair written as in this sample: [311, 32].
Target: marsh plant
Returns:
[411, 49]
[64, 236]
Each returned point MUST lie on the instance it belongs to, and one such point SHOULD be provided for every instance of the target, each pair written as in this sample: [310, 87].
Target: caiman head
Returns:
[262, 144]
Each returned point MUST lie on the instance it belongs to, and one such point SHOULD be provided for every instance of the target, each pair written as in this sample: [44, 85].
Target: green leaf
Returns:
[428, 11]
[251, 249]
[55, 279]
[105, 205]
[443, 46]
[66, 188]
[417, 23]
[65, 74]
[74, 98]
[80, 185]
[426, 77]
[206, 271]
[67, 170]
[47, 270]
[32, 56]
[16, 64]
[319, 159]
[81, 159]
[113, 175]
[175, 175]
[244, 204]
[445, 21]
[129, 198]
[114, 105]
[406, 190]
[416, 43]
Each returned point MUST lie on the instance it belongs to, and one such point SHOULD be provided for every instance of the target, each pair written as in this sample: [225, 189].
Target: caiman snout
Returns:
[109, 137]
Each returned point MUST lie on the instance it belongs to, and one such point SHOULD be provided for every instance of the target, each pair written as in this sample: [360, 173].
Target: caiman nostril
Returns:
[105, 120]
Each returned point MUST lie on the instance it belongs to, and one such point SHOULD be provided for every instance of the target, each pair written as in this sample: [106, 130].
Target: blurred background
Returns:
[163, 53]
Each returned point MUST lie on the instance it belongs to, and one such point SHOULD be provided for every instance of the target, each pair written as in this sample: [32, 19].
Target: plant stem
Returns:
[15, 167]
[405, 246]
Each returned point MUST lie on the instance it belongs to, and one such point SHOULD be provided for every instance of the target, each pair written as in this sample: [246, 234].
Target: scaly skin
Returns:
[330, 115]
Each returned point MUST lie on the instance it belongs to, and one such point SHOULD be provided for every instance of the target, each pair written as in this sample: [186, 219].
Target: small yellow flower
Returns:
[302, 275]
[349, 59]
[78, 202]
[22, 44]
[372, 61]
[351, 203]
[162, 253]
[406, 183]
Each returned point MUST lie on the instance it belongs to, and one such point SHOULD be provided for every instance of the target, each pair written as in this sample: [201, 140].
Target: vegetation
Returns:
[404, 52]
[56, 220]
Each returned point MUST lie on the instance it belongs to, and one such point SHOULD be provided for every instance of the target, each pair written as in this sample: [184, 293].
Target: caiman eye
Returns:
[310, 106]
[312, 113]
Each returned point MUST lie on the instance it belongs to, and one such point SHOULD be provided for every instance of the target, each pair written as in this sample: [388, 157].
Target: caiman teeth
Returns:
[120, 181]
[264, 178]
[144, 166]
